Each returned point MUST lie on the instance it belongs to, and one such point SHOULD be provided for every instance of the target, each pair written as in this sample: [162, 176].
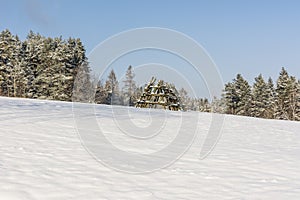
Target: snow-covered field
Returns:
[42, 157]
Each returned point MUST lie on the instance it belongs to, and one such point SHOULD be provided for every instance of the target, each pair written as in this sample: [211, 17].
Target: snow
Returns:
[43, 158]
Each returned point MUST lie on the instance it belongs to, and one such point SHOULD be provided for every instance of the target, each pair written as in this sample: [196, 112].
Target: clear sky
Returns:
[247, 37]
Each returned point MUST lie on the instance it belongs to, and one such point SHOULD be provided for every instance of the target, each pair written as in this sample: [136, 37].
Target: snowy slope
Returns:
[42, 157]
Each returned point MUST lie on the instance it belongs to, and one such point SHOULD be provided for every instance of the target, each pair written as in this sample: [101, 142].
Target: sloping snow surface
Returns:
[43, 158]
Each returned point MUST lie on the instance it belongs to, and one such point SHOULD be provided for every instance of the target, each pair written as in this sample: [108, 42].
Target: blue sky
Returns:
[247, 37]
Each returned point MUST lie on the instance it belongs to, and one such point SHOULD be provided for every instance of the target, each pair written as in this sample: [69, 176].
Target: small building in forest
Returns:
[159, 95]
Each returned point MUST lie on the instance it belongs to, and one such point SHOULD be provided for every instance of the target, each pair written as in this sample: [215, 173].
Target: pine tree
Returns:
[286, 99]
[29, 70]
[231, 98]
[259, 98]
[36, 85]
[75, 60]
[129, 87]
[271, 93]
[297, 113]
[10, 68]
[101, 93]
[84, 89]
[293, 98]
[183, 95]
[112, 89]
[5, 57]
[243, 91]
[17, 75]
[237, 95]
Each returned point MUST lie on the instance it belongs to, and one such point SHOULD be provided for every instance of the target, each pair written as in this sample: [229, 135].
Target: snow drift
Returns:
[42, 157]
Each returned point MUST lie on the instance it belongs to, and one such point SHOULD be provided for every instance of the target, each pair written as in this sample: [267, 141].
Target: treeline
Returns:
[47, 68]
[39, 67]
[264, 99]
[111, 93]
[52, 68]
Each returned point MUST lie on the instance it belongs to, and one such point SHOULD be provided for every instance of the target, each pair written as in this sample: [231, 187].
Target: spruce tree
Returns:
[271, 108]
[243, 91]
[17, 75]
[129, 87]
[286, 99]
[75, 61]
[10, 69]
[35, 55]
[259, 98]
[183, 95]
[297, 113]
[29, 69]
[112, 88]
[237, 96]
[101, 93]
[5, 59]
[84, 89]
[293, 98]
[230, 98]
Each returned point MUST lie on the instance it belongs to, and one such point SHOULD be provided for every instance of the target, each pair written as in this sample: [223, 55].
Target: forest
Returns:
[46, 68]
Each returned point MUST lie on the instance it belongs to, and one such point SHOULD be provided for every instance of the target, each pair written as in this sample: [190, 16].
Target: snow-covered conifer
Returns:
[259, 98]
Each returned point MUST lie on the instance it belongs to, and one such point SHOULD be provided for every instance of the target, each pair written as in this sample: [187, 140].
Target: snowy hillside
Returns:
[42, 157]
